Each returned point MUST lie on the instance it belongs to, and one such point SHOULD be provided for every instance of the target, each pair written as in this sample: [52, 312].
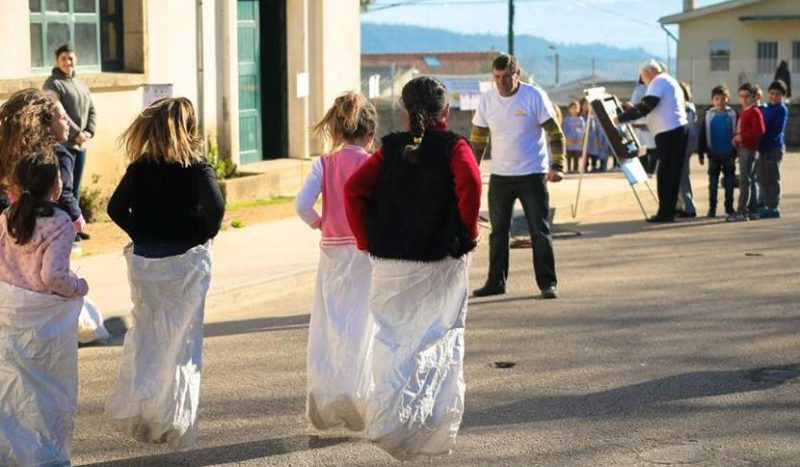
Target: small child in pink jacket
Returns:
[341, 329]
[36, 236]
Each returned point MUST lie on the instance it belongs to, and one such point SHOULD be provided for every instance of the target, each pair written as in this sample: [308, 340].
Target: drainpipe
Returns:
[670, 35]
[200, 70]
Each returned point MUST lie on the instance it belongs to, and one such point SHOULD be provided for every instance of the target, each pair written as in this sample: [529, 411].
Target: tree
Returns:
[365, 4]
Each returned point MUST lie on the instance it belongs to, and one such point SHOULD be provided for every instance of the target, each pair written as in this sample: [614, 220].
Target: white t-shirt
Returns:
[670, 113]
[519, 145]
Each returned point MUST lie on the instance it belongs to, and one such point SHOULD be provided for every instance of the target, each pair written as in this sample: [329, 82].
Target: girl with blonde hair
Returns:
[170, 205]
[340, 331]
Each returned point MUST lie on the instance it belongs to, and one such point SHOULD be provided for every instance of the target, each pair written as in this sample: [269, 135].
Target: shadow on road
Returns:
[477, 302]
[246, 326]
[631, 399]
[232, 453]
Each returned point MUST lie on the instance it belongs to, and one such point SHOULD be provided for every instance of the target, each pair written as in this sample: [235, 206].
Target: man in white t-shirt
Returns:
[665, 108]
[521, 121]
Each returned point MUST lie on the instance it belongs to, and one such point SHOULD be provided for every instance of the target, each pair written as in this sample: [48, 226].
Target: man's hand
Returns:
[555, 175]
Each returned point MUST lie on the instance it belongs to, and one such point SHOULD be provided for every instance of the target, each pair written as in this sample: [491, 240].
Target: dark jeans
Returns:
[728, 169]
[768, 166]
[671, 147]
[77, 174]
[531, 190]
[573, 158]
[651, 161]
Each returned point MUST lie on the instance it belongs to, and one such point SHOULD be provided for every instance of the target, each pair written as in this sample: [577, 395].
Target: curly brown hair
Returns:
[25, 120]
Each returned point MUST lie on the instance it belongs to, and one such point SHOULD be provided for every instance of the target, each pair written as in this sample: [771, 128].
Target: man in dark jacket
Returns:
[77, 101]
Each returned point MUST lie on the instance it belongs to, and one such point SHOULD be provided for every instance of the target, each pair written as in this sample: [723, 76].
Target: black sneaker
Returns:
[489, 289]
[83, 235]
[550, 292]
[685, 214]
[712, 213]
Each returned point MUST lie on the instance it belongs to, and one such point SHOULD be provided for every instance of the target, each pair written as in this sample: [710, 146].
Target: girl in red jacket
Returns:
[414, 207]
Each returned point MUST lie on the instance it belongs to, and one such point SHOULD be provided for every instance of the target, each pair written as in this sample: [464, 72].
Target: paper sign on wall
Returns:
[154, 92]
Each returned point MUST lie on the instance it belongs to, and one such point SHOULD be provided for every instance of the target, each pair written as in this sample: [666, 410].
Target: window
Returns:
[92, 27]
[111, 43]
[766, 56]
[720, 55]
[432, 61]
[796, 57]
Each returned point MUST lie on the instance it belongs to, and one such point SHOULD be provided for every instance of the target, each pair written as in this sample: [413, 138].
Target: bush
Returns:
[223, 165]
[92, 202]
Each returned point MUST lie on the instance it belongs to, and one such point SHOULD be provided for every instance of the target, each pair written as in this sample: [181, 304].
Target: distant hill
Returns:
[534, 53]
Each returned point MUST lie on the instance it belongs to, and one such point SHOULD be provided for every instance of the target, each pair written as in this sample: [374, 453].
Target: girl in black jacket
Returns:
[169, 203]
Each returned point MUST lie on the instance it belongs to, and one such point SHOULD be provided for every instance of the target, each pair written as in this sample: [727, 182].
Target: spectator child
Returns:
[574, 127]
[340, 332]
[716, 140]
[751, 128]
[771, 148]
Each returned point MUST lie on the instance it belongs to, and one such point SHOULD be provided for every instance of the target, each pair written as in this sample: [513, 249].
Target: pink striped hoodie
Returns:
[328, 175]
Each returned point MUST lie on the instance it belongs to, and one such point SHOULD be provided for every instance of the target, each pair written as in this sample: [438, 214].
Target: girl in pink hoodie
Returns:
[341, 329]
[36, 236]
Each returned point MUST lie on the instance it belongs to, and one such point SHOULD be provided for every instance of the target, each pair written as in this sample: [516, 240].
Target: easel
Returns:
[632, 167]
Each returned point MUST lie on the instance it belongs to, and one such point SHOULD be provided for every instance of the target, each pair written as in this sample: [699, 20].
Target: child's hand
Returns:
[80, 224]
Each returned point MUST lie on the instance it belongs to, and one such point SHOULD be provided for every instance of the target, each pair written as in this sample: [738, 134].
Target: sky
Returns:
[621, 23]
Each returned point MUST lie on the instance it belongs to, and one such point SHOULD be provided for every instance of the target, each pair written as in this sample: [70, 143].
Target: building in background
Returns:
[736, 41]
[565, 93]
[260, 73]
[461, 72]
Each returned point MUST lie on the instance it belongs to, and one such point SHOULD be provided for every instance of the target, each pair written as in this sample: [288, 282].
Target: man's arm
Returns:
[479, 137]
[555, 141]
[647, 104]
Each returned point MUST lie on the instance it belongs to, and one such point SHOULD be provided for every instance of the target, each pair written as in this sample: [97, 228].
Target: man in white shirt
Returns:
[665, 108]
[521, 121]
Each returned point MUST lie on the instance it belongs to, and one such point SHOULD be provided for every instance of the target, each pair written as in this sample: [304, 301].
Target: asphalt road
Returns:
[672, 344]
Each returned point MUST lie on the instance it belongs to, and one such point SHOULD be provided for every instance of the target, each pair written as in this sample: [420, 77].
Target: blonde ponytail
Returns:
[350, 117]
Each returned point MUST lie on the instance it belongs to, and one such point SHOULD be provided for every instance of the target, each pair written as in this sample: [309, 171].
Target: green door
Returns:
[250, 147]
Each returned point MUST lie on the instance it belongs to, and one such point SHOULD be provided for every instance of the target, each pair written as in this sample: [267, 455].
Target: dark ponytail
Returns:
[425, 101]
[35, 175]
